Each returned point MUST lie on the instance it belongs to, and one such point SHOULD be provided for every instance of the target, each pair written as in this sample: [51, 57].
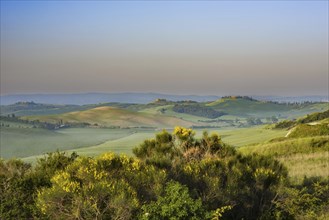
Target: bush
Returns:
[175, 203]
[197, 110]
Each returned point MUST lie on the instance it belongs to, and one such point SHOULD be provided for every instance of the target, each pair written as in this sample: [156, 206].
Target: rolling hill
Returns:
[304, 150]
[93, 98]
[240, 111]
[247, 106]
[111, 116]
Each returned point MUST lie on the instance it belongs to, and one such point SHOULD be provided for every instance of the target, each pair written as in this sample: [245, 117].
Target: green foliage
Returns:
[197, 110]
[248, 184]
[84, 191]
[254, 121]
[304, 130]
[214, 172]
[167, 149]
[160, 151]
[109, 187]
[175, 176]
[19, 184]
[176, 203]
[285, 124]
[307, 201]
[315, 117]
[15, 190]
[218, 213]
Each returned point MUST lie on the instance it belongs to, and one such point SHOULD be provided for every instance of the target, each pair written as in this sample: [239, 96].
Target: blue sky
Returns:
[182, 47]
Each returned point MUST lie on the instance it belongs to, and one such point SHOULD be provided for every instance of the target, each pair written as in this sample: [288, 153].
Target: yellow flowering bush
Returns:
[88, 191]
[183, 133]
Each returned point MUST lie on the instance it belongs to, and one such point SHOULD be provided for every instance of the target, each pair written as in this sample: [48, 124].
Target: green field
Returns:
[119, 127]
[304, 157]
[24, 142]
[29, 143]
[110, 116]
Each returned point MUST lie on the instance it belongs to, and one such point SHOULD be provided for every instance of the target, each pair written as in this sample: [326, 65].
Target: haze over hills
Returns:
[138, 98]
[94, 98]
[229, 111]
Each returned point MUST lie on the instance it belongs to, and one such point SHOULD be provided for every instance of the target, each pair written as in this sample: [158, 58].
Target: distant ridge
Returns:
[283, 99]
[137, 98]
[95, 98]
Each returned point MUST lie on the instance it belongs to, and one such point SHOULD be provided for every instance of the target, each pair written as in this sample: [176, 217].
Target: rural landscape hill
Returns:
[91, 98]
[287, 141]
[107, 116]
[28, 127]
[304, 149]
[140, 98]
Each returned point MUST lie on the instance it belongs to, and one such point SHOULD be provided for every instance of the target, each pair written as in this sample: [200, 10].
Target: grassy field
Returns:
[109, 116]
[120, 145]
[245, 107]
[252, 135]
[308, 156]
[94, 141]
[24, 142]
[169, 112]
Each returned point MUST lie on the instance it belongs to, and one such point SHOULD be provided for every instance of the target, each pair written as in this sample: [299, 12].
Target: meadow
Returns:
[119, 127]
[32, 143]
[304, 157]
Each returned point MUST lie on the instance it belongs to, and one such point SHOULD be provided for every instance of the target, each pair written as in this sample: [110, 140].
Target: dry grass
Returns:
[304, 157]
[307, 165]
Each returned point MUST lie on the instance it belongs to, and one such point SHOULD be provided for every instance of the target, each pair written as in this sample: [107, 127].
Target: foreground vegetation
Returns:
[173, 176]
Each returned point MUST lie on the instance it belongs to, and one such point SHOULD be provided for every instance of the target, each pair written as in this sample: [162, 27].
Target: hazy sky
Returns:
[219, 48]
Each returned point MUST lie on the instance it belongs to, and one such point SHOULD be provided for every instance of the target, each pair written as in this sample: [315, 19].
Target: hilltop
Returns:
[95, 98]
[231, 111]
[112, 117]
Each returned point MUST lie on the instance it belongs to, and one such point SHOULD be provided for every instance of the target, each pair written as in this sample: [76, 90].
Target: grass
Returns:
[121, 145]
[252, 135]
[24, 142]
[260, 109]
[289, 146]
[304, 157]
[302, 165]
[109, 116]
[304, 130]
[32, 142]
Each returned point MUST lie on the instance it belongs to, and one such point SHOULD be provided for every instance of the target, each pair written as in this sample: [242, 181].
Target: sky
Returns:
[175, 47]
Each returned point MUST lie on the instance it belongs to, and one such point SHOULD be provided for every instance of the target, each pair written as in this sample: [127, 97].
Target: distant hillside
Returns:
[315, 117]
[197, 110]
[110, 116]
[246, 105]
[32, 108]
[304, 130]
[283, 99]
[138, 98]
[95, 98]
[312, 119]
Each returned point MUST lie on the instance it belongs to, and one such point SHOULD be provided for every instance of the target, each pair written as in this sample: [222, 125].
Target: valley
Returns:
[29, 130]
[250, 143]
